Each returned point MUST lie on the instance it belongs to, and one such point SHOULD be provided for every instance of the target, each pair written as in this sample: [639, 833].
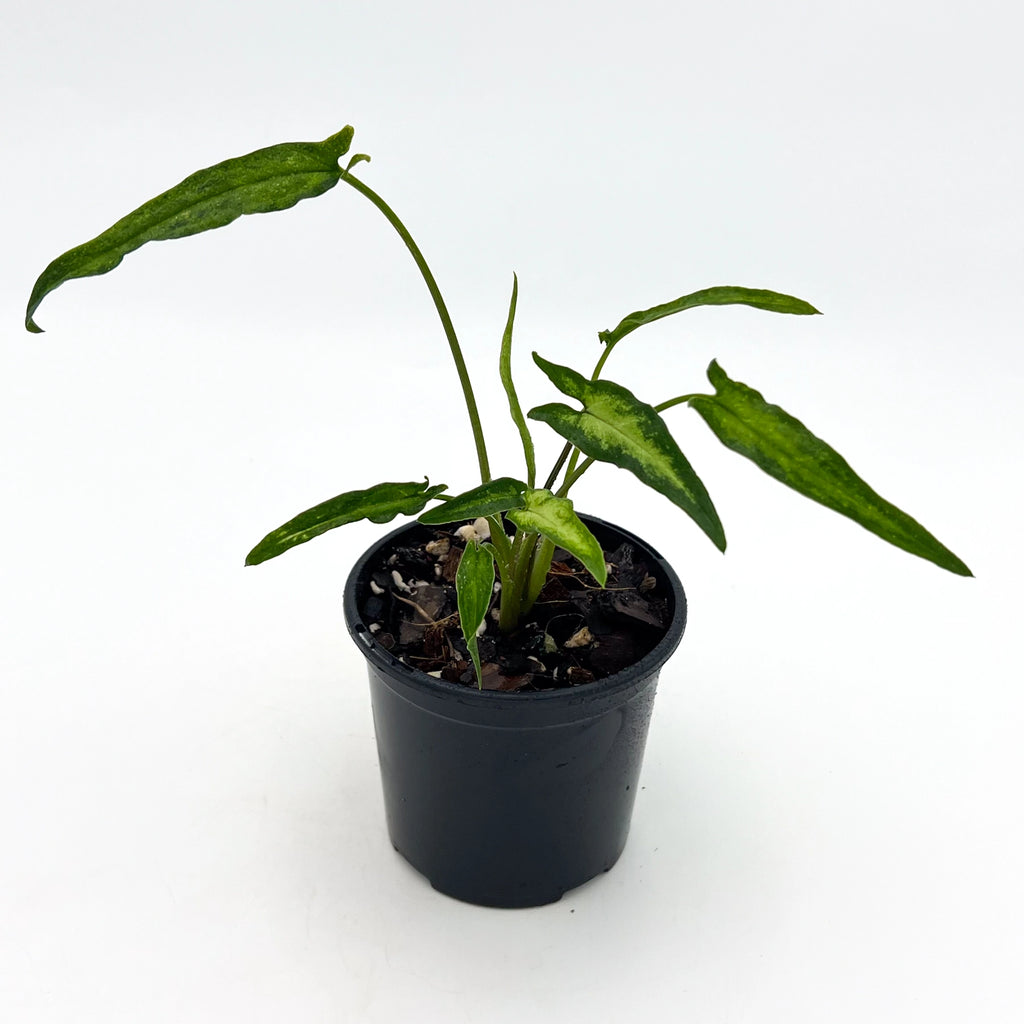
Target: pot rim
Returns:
[599, 690]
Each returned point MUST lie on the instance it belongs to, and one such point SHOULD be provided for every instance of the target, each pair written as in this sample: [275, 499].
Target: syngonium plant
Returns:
[612, 425]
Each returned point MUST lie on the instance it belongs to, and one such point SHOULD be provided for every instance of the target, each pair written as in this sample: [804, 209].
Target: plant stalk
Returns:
[512, 597]
[442, 312]
[572, 475]
[556, 468]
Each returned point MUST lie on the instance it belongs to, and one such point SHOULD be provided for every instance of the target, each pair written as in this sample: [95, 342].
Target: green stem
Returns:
[572, 476]
[499, 538]
[539, 567]
[570, 472]
[556, 468]
[512, 596]
[673, 401]
[604, 358]
[442, 312]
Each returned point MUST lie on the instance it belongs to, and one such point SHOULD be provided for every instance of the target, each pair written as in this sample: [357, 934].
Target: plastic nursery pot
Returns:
[510, 799]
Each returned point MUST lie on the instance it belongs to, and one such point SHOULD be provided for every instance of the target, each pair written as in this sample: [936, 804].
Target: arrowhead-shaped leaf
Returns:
[547, 514]
[485, 500]
[785, 449]
[615, 426]
[474, 588]
[723, 295]
[261, 182]
[379, 504]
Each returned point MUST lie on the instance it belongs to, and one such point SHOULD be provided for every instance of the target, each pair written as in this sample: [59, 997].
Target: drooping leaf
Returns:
[380, 504]
[269, 179]
[722, 295]
[553, 517]
[483, 500]
[474, 588]
[785, 449]
[615, 426]
[505, 371]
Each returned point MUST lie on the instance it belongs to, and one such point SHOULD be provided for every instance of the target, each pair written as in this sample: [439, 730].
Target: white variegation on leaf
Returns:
[553, 517]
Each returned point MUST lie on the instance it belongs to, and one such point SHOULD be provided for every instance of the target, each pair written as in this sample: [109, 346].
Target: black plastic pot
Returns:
[510, 799]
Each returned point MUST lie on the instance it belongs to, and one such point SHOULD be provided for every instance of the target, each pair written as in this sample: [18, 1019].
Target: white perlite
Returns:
[478, 530]
[396, 577]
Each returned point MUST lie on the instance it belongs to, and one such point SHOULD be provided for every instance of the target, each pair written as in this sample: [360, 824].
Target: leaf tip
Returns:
[715, 532]
[340, 141]
[715, 373]
[34, 300]
[959, 568]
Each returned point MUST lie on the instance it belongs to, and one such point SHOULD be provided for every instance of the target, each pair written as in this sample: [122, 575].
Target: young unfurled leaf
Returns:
[785, 449]
[615, 426]
[261, 182]
[505, 371]
[722, 295]
[380, 504]
[553, 517]
[484, 500]
[474, 588]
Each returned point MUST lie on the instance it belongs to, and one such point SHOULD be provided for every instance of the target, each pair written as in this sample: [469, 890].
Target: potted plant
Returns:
[514, 645]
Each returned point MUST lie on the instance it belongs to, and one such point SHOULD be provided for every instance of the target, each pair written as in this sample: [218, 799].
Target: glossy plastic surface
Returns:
[506, 799]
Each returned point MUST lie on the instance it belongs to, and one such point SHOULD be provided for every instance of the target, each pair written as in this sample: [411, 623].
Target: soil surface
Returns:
[575, 633]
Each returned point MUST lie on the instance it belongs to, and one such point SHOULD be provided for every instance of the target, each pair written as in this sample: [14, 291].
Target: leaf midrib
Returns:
[217, 195]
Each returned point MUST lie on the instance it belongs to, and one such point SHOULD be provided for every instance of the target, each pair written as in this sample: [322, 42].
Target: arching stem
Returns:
[442, 312]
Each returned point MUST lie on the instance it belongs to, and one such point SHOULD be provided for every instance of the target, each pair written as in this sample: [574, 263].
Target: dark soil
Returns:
[575, 633]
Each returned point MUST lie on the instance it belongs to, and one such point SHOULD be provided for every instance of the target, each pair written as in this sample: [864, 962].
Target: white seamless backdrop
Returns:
[830, 823]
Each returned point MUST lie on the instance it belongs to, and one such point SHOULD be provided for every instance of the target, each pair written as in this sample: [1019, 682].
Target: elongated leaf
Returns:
[615, 426]
[785, 449]
[484, 500]
[380, 504]
[261, 182]
[505, 371]
[474, 588]
[722, 295]
[553, 517]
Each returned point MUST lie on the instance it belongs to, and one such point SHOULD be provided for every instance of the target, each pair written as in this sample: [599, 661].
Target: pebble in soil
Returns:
[576, 632]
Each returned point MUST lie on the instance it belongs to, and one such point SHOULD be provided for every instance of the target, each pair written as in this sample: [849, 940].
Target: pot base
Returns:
[509, 815]
[507, 799]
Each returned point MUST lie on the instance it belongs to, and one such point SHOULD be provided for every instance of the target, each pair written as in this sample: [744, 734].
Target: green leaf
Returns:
[553, 517]
[483, 500]
[785, 449]
[380, 504]
[356, 158]
[615, 426]
[474, 588]
[261, 182]
[505, 370]
[723, 295]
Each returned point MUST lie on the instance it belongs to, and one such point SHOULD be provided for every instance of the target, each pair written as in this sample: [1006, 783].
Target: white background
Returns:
[830, 827]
